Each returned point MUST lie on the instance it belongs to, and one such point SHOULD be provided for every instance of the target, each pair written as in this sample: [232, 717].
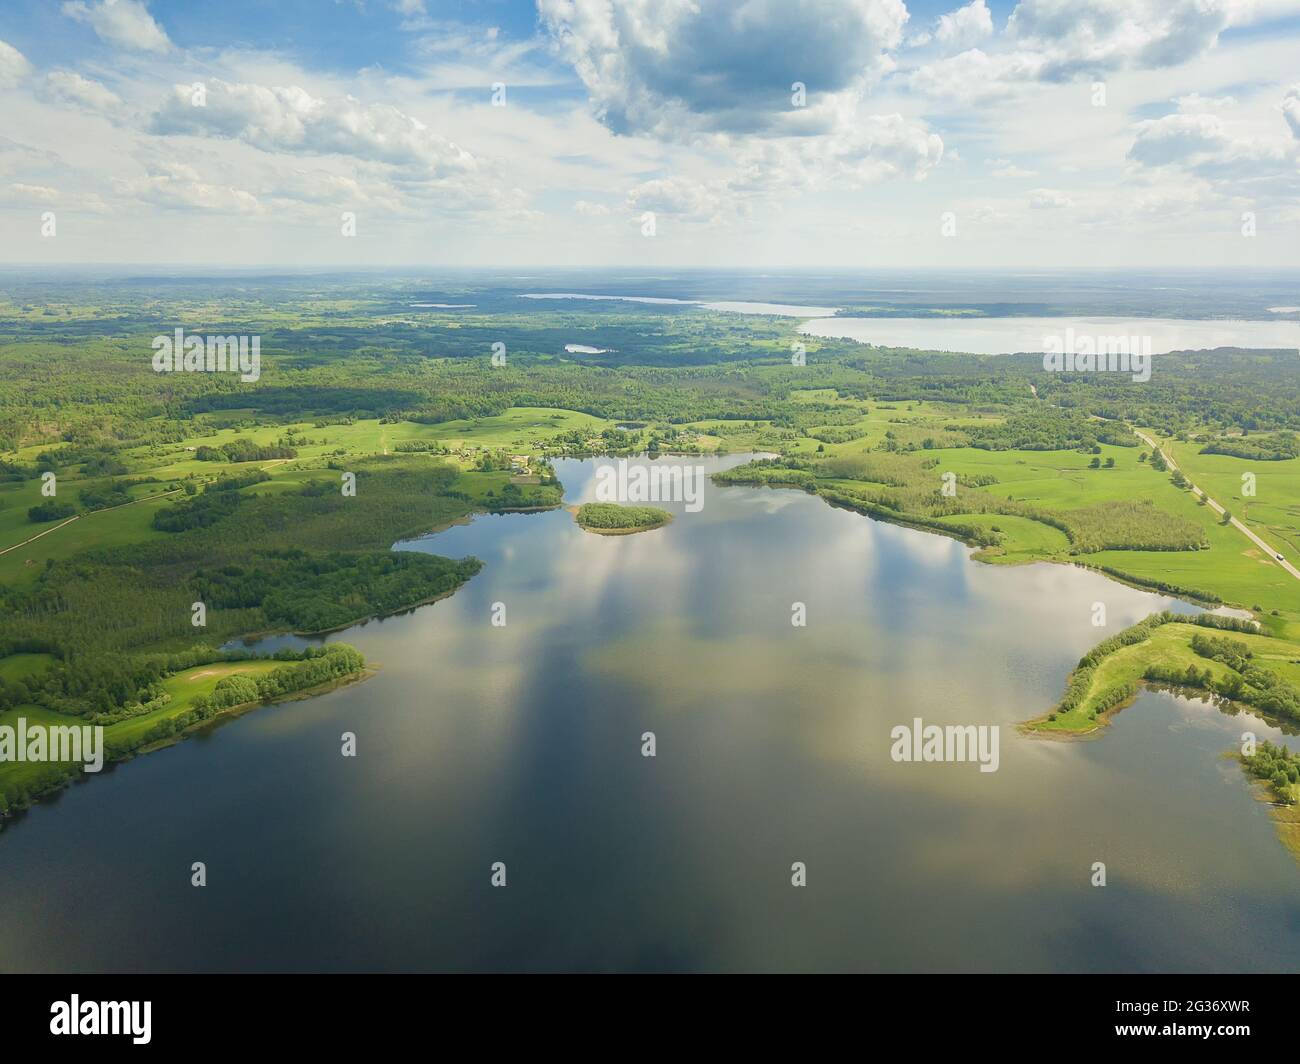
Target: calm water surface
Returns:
[522, 744]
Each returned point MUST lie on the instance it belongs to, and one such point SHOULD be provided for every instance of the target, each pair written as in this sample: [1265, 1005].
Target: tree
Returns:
[50, 511]
[1281, 785]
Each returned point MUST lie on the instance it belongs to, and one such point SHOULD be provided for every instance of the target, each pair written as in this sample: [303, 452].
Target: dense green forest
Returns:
[609, 516]
[1274, 447]
[318, 592]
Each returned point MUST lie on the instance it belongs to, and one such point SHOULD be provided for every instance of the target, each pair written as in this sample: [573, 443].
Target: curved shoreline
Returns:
[231, 713]
[980, 553]
[217, 720]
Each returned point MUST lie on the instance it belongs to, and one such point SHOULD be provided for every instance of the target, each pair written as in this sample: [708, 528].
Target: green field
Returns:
[1026, 540]
[525, 431]
[20, 778]
[21, 666]
[184, 687]
[1230, 568]
[1273, 511]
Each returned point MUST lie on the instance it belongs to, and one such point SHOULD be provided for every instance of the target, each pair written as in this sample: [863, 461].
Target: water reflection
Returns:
[522, 744]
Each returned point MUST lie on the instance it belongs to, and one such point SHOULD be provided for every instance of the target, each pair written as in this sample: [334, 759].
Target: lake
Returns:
[730, 306]
[522, 744]
[1003, 336]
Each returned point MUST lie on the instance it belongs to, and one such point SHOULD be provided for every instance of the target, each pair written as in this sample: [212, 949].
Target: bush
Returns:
[51, 511]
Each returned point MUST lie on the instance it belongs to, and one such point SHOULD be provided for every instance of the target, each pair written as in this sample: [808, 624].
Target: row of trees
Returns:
[244, 450]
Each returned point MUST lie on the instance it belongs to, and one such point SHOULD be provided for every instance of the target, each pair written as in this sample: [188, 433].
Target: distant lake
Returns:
[1002, 336]
[522, 744]
[585, 349]
[783, 310]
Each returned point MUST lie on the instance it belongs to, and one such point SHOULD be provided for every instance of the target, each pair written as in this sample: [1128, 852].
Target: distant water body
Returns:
[1005, 336]
[993, 335]
[781, 310]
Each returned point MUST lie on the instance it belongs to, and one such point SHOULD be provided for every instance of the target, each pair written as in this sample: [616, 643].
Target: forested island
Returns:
[614, 519]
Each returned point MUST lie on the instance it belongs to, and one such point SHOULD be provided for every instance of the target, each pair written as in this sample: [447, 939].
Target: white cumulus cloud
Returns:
[125, 23]
[13, 65]
[68, 87]
[291, 120]
[674, 68]
[965, 27]
[1066, 40]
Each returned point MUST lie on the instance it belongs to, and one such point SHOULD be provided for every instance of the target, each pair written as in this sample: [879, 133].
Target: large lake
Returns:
[522, 744]
[1003, 336]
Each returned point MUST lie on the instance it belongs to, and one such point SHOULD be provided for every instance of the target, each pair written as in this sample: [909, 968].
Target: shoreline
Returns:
[1285, 818]
[1144, 686]
[219, 719]
[1029, 728]
[984, 554]
[232, 713]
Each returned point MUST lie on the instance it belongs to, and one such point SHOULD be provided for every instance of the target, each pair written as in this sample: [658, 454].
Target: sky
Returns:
[673, 133]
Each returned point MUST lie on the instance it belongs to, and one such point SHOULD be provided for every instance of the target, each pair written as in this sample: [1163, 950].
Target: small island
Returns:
[613, 519]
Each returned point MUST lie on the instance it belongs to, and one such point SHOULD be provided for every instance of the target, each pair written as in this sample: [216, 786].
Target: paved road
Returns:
[1272, 554]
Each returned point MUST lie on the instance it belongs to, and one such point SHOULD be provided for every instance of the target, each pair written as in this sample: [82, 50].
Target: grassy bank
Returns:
[1171, 649]
[186, 701]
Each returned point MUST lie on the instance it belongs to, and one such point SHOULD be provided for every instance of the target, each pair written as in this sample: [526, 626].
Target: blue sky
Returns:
[674, 132]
